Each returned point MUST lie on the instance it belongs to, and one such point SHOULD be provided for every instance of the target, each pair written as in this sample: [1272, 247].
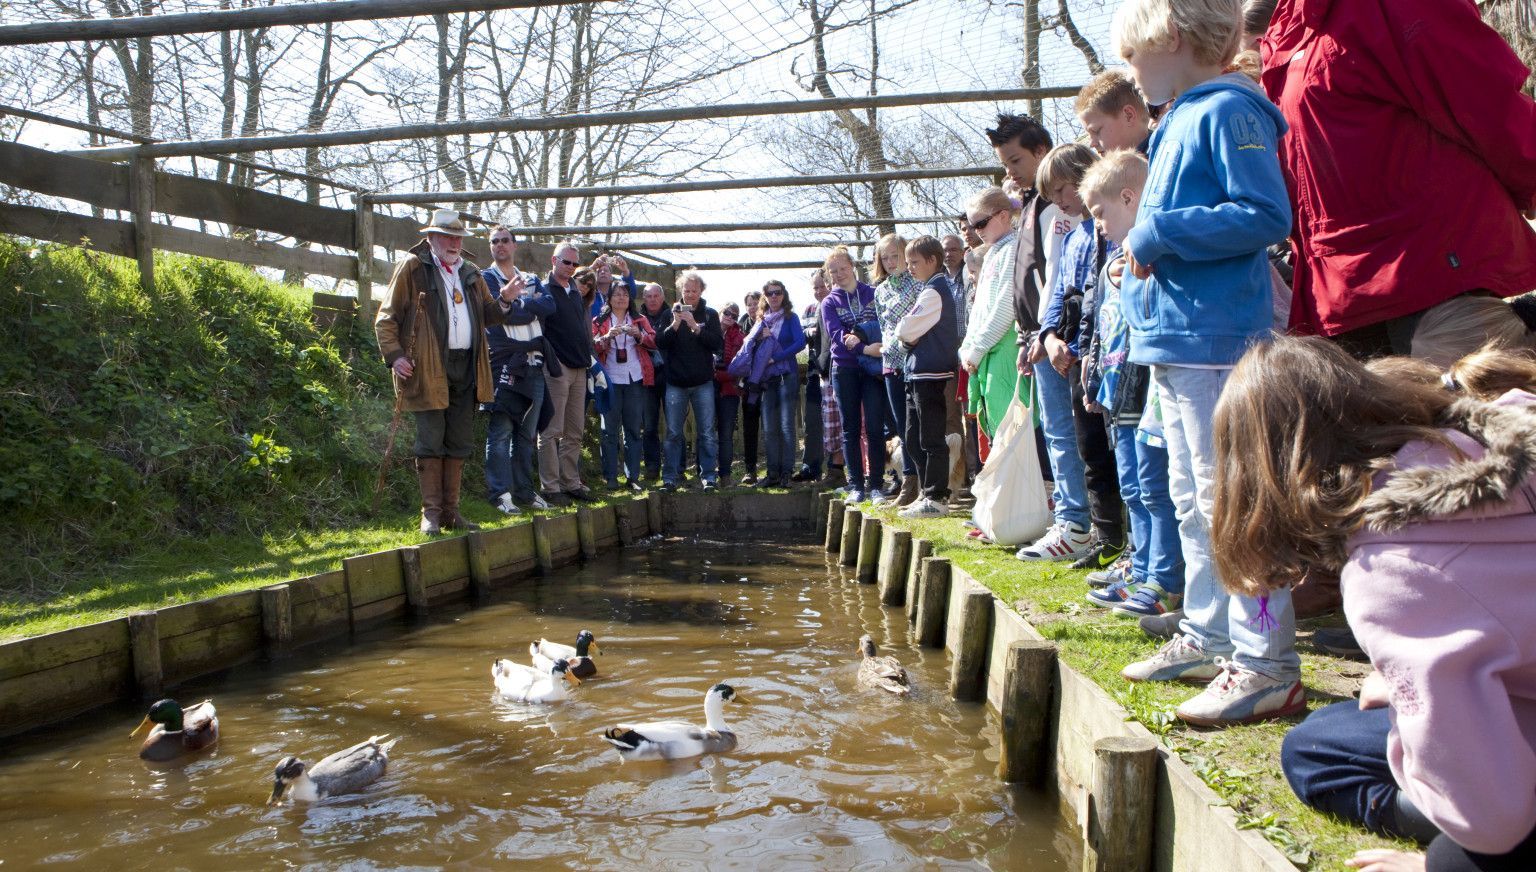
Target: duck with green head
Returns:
[175, 732]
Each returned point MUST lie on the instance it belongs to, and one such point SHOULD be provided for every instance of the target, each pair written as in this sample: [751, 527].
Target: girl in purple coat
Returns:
[1424, 502]
[848, 316]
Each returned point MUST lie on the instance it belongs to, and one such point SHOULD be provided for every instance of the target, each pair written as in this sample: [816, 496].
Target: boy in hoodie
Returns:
[1197, 295]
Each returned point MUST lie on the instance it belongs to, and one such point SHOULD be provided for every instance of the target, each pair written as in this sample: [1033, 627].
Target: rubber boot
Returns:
[429, 474]
[909, 491]
[453, 472]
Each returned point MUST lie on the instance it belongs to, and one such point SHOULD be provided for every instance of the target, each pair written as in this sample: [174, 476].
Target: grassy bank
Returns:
[1242, 764]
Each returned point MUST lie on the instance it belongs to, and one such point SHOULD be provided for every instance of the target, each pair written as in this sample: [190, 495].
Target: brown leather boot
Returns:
[909, 491]
[453, 472]
[429, 474]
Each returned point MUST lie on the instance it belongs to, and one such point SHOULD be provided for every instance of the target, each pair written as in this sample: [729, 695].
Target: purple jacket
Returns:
[834, 326]
[1438, 589]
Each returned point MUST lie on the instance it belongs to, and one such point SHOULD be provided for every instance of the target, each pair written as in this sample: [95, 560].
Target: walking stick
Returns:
[394, 421]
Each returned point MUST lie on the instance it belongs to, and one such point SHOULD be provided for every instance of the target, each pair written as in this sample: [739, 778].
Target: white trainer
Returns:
[1241, 696]
[505, 505]
[1061, 542]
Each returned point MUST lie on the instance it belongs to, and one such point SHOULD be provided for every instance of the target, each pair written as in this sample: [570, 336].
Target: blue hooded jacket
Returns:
[1214, 200]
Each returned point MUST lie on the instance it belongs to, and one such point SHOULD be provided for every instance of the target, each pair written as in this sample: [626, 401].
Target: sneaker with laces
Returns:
[1102, 553]
[877, 496]
[1105, 577]
[853, 495]
[1241, 696]
[1149, 600]
[924, 508]
[1178, 660]
[538, 504]
[1162, 626]
[1114, 595]
[1061, 542]
[505, 505]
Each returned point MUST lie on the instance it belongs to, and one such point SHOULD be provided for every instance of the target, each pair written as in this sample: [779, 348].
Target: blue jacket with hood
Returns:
[1214, 200]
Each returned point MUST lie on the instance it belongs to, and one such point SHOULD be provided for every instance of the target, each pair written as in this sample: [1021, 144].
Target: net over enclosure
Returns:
[618, 122]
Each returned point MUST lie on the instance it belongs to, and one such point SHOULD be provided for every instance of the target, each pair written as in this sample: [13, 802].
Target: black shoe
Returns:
[805, 474]
[1339, 641]
[556, 499]
[635, 486]
[581, 495]
[1102, 554]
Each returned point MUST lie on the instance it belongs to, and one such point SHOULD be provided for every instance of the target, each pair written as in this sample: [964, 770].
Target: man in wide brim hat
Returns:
[447, 371]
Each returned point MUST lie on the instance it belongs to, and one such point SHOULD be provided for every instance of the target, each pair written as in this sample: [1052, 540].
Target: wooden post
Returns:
[362, 232]
[932, 598]
[895, 551]
[967, 669]
[1029, 679]
[543, 551]
[921, 550]
[144, 637]
[479, 565]
[586, 532]
[1120, 810]
[653, 512]
[853, 524]
[141, 194]
[869, 550]
[835, 526]
[621, 522]
[415, 586]
[823, 503]
[277, 620]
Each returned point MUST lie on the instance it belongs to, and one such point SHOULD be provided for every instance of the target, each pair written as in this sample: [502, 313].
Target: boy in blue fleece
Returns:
[1197, 296]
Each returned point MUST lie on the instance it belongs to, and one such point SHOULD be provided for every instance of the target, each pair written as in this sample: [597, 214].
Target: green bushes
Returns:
[213, 406]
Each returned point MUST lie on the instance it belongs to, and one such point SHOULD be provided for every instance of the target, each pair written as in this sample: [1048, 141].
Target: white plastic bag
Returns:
[1011, 505]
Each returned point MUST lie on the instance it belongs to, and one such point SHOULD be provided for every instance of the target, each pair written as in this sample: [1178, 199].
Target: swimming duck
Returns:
[342, 772]
[581, 664]
[175, 732]
[527, 684]
[882, 672]
[675, 740]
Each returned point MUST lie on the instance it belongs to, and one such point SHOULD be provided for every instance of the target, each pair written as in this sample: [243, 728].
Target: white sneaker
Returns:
[1178, 660]
[924, 508]
[877, 496]
[505, 505]
[538, 504]
[1061, 542]
[1240, 696]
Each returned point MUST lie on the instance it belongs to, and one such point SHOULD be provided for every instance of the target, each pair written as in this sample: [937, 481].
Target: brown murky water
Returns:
[828, 776]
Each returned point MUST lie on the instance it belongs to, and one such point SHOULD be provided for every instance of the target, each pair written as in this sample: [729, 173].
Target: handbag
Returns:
[868, 332]
[1011, 506]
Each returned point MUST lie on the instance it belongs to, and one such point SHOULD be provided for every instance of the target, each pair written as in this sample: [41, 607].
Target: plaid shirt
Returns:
[894, 298]
[831, 419]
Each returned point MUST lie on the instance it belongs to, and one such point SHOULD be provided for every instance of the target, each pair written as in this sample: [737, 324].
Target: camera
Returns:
[678, 307]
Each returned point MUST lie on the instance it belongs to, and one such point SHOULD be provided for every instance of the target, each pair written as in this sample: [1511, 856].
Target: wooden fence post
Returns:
[869, 550]
[967, 669]
[823, 501]
[622, 524]
[653, 512]
[921, 549]
[1029, 679]
[141, 194]
[144, 637]
[363, 238]
[895, 550]
[479, 565]
[853, 524]
[1120, 810]
[586, 533]
[277, 620]
[932, 598]
[835, 510]
[415, 585]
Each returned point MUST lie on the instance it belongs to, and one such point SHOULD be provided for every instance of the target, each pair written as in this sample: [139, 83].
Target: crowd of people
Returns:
[1262, 313]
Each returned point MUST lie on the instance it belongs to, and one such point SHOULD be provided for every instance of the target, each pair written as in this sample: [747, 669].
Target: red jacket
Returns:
[1410, 155]
[646, 343]
[734, 337]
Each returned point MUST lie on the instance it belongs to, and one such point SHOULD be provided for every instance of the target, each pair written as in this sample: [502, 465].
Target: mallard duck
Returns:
[342, 772]
[675, 740]
[527, 684]
[578, 657]
[175, 732]
[882, 672]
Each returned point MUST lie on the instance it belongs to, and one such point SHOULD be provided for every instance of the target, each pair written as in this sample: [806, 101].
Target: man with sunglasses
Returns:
[569, 332]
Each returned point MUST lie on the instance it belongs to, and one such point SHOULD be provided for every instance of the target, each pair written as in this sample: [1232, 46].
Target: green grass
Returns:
[1242, 764]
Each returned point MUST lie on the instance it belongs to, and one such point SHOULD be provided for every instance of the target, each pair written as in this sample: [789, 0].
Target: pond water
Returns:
[828, 775]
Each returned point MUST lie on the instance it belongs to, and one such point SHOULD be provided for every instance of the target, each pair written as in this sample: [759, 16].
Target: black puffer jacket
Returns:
[691, 356]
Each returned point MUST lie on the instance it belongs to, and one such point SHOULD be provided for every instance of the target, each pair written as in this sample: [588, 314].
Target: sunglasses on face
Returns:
[569, 262]
[775, 293]
[977, 225]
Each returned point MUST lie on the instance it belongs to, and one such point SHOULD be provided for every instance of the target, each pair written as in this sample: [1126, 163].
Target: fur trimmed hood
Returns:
[1494, 479]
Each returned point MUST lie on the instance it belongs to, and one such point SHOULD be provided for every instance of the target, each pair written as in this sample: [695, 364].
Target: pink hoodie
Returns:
[1441, 592]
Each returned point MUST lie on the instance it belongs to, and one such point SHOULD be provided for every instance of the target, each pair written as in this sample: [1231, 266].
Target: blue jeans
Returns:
[1259, 634]
[623, 420]
[778, 405]
[815, 454]
[1130, 494]
[896, 396]
[1164, 565]
[650, 425]
[1067, 469]
[701, 398]
[511, 439]
[861, 399]
[725, 432]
